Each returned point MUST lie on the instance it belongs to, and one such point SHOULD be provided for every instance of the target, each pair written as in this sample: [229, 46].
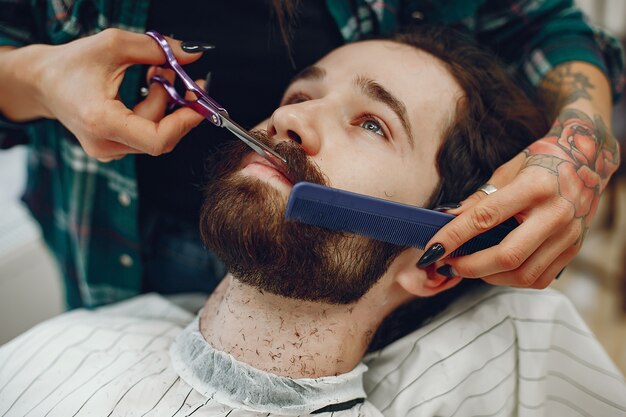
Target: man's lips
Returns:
[281, 170]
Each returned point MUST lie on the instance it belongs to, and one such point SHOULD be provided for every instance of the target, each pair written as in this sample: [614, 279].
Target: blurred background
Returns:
[595, 281]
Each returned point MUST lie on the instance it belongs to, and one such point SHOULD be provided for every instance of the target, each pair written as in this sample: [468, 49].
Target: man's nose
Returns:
[296, 122]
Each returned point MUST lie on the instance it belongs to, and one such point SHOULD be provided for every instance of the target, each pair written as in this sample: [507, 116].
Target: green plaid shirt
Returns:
[88, 210]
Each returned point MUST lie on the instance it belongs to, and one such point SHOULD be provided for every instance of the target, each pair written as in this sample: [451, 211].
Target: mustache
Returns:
[299, 166]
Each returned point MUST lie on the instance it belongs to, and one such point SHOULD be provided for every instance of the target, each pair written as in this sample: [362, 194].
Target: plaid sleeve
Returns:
[11, 134]
[535, 36]
[17, 28]
[17, 23]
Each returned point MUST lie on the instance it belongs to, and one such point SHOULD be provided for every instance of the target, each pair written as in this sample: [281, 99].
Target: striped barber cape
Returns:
[497, 352]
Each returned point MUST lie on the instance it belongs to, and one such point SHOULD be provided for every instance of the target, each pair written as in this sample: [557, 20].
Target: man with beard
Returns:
[421, 120]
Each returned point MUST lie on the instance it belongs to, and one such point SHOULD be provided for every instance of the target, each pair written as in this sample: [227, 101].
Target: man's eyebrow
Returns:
[379, 93]
[309, 73]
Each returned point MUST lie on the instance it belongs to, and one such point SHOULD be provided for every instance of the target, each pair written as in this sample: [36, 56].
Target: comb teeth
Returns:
[351, 220]
[378, 219]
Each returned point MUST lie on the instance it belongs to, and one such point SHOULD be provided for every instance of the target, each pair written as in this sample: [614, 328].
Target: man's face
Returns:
[370, 115]
[367, 118]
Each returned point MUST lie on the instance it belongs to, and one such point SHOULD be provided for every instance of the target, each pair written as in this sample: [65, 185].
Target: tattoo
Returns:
[563, 86]
[582, 154]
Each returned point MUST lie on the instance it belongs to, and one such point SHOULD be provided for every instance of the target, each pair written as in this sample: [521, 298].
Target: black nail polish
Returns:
[559, 274]
[447, 271]
[433, 254]
[447, 206]
[207, 82]
[192, 47]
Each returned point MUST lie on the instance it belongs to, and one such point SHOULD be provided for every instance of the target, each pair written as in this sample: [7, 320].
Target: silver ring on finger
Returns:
[487, 189]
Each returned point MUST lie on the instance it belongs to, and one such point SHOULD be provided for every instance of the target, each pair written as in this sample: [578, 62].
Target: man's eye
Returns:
[295, 98]
[373, 126]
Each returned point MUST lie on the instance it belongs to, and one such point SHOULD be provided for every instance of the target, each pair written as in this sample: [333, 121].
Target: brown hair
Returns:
[494, 121]
[286, 13]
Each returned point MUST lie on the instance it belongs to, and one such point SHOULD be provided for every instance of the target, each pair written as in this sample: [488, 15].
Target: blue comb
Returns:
[379, 219]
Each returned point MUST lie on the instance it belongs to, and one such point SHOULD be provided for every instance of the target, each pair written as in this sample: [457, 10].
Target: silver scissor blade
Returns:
[258, 146]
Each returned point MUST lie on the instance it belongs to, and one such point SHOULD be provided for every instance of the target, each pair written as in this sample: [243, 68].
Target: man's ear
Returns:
[421, 282]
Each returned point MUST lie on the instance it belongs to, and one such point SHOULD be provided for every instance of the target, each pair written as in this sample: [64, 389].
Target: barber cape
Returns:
[498, 352]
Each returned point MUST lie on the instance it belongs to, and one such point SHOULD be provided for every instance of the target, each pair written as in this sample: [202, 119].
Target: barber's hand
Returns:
[78, 84]
[552, 189]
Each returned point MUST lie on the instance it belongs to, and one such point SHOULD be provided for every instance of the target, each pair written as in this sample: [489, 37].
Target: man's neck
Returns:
[287, 337]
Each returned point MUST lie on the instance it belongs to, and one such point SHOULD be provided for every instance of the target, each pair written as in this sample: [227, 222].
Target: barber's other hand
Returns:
[78, 82]
[552, 189]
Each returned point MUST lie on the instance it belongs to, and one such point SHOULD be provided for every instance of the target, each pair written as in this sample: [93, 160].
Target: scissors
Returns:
[205, 105]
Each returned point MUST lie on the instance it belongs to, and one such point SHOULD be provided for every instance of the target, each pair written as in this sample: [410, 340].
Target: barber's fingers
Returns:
[519, 245]
[541, 267]
[555, 269]
[155, 104]
[112, 158]
[145, 135]
[157, 101]
[153, 138]
[480, 212]
[510, 254]
[110, 151]
[136, 48]
[189, 95]
[479, 218]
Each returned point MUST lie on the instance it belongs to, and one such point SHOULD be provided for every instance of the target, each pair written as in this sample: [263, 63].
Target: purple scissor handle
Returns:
[205, 105]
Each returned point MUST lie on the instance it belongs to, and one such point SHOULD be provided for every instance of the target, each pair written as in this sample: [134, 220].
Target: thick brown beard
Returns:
[242, 221]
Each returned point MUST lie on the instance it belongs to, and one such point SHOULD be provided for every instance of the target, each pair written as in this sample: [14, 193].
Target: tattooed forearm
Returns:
[562, 86]
[582, 154]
